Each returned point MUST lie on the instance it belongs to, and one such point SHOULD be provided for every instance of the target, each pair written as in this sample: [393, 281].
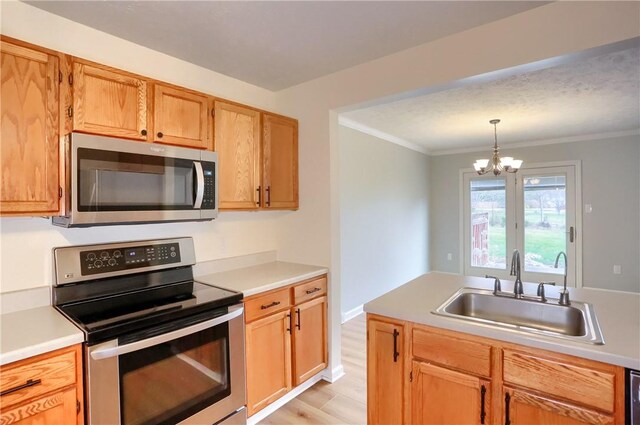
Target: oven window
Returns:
[169, 382]
[117, 181]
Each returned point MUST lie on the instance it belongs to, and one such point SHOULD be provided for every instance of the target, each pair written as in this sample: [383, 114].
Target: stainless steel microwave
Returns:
[114, 181]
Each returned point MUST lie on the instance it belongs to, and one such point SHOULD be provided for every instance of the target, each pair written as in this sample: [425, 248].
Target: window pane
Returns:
[545, 222]
[488, 223]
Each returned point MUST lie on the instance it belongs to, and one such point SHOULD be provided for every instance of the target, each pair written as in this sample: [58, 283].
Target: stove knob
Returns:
[112, 262]
[97, 263]
[104, 255]
[91, 256]
[117, 254]
[173, 254]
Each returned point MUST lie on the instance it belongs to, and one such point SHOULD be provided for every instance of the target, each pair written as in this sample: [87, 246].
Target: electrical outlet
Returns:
[449, 257]
[617, 269]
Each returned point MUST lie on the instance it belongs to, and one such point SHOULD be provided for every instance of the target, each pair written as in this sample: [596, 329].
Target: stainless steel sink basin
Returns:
[576, 322]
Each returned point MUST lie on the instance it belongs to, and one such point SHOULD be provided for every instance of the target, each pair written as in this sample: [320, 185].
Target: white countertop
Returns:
[264, 277]
[618, 314]
[35, 331]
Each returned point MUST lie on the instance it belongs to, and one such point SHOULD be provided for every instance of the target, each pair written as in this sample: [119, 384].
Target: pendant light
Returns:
[497, 164]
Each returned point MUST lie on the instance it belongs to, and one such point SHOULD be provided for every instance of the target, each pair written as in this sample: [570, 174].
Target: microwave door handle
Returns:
[159, 339]
[199, 185]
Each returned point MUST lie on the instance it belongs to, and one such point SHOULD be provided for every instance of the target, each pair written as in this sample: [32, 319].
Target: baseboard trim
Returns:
[348, 315]
[253, 420]
[333, 375]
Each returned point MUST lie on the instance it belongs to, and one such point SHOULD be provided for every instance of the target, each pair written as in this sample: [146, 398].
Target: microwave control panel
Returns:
[111, 260]
[209, 198]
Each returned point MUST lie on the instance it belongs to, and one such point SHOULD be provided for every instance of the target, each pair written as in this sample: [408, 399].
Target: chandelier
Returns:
[497, 164]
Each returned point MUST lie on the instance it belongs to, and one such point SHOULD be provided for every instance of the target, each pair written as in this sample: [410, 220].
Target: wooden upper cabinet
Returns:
[29, 131]
[385, 373]
[309, 339]
[237, 142]
[109, 102]
[180, 117]
[280, 150]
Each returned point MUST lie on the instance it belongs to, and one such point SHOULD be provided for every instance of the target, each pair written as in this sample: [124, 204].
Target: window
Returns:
[533, 211]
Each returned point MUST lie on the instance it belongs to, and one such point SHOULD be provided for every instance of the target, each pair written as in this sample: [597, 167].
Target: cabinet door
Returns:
[237, 142]
[29, 131]
[268, 350]
[443, 396]
[108, 102]
[180, 118]
[57, 408]
[521, 407]
[385, 372]
[309, 339]
[280, 144]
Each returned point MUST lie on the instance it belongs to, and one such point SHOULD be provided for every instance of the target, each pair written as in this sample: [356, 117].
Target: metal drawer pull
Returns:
[298, 314]
[311, 291]
[266, 306]
[507, 401]
[29, 383]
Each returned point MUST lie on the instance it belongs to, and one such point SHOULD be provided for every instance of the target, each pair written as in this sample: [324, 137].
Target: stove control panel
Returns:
[133, 257]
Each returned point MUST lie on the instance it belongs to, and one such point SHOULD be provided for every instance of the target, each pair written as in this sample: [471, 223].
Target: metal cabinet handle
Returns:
[298, 316]
[507, 401]
[160, 135]
[266, 306]
[259, 190]
[483, 413]
[268, 190]
[29, 383]
[143, 132]
[395, 345]
[290, 326]
[311, 291]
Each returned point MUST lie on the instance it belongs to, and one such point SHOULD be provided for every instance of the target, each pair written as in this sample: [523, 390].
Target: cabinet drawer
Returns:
[309, 290]
[263, 305]
[452, 351]
[579, 381]
[53, 371]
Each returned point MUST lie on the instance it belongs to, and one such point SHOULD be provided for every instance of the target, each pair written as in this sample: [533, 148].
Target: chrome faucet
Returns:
[564, 295]
[497, 288]
[518, 291]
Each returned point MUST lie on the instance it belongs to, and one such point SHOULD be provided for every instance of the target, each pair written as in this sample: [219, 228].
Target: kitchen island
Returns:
[425, 367]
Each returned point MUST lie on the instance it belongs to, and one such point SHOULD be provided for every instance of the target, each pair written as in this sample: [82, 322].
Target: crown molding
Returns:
[346, 122]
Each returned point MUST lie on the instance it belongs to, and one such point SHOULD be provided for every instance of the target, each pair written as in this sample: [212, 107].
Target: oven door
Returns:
[118, 181]
[169, 374]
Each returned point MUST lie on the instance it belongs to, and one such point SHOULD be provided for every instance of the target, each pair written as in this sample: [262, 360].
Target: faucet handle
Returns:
[540, 291]
[497, 287]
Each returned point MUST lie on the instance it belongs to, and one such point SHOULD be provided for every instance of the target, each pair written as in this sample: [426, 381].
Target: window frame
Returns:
[511, 211]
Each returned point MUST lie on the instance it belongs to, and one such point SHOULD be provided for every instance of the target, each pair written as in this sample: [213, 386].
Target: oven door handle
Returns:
[197, 203]
[159, 339]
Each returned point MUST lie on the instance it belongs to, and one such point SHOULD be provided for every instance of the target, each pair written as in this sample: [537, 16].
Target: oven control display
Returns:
[111, 260]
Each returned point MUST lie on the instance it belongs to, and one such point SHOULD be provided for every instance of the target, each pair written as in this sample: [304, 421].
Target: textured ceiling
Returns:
[590, 96]
[277, 44]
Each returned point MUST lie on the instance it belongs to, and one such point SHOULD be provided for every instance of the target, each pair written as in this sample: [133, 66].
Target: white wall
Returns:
[26, 242]
[610, 234]
[384, 216]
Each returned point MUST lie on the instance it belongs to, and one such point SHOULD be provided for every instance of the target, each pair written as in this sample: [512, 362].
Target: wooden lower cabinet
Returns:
[45, 389]
[454, 378]
[443, 396]
[309, 339]
[268, 352]
[286, 343]
[522, 407]
[385, 372]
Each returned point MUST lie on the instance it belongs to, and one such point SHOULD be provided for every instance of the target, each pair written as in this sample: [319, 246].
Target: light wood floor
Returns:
[343, 402]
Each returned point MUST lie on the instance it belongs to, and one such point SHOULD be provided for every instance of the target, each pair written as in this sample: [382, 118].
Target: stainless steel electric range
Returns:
[160, 347]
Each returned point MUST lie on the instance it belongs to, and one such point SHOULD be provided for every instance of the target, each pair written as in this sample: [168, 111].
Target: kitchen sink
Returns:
[576, 322]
